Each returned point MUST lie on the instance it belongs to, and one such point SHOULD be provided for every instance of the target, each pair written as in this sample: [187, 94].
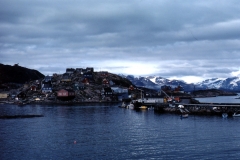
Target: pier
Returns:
[201, 108]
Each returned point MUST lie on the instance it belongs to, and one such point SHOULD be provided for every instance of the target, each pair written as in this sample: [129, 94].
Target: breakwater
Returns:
[201, 108]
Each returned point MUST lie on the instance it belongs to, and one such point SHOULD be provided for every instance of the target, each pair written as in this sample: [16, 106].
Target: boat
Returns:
[236, 114]
[143, 107]
[224, 115]
[130, 106]
[185, 115]
[184, 111]
[215, 109]
[123, 105]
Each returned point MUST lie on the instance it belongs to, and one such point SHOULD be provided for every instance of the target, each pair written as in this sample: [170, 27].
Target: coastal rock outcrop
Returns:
[18, 74]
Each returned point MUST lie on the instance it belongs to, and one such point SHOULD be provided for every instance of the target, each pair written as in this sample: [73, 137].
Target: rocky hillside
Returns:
[18, 74]
[90, 89]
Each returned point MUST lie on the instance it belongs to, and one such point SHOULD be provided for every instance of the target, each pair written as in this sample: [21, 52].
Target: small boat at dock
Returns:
[143, 107]
[130, 106]
[123, 105]
[236, 114]
[184, 115]
[184, 111]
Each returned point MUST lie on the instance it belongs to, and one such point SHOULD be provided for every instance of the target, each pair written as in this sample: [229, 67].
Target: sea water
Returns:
[220, 99]
[109, 132]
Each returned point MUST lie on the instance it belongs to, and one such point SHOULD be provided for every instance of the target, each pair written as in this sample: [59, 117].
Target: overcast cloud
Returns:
[189, 40]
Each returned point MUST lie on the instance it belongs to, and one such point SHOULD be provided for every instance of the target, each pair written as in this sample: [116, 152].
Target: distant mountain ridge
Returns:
[155, 82]
[232, 83]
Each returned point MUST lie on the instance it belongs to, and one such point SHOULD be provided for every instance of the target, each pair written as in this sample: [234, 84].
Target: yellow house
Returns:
[3, 95]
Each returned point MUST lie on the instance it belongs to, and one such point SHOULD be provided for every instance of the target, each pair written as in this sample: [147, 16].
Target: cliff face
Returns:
[18, 74]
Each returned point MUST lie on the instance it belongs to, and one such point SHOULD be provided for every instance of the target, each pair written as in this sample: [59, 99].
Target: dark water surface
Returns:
[221, 99]
[109, 132]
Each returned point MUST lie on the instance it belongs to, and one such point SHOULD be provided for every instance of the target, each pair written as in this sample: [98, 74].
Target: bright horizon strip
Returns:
[188, 79]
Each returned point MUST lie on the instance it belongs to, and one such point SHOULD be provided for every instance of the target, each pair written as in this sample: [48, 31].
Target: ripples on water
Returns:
[109, 132]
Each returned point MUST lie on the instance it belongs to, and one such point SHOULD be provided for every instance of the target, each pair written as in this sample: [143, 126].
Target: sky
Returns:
[185, 40]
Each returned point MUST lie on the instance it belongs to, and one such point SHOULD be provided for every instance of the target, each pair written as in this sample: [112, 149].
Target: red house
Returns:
[66, 94]
[105, 82]
[85, 81]
[104, 73]
[33, 87]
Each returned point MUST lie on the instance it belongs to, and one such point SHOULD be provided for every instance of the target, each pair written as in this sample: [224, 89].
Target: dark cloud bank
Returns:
[190, 40]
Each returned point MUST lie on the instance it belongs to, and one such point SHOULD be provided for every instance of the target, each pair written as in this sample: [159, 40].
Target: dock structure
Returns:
[183, 103]
[200, 108]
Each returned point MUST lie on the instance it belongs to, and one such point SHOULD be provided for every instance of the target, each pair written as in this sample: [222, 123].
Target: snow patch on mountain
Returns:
[235, 81]
[153, 79]
[212, 83]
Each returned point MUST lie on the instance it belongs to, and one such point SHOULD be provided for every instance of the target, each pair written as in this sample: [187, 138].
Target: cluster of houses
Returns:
[169, 89]
[82, 84]
[75, 84]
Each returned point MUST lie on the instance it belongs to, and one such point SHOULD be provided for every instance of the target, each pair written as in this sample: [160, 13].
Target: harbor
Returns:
[202, 108]
[221, 105]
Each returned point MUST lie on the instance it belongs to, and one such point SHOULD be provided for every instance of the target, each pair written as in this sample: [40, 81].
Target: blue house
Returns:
[46, 88]
[47, 79]
[88, 75]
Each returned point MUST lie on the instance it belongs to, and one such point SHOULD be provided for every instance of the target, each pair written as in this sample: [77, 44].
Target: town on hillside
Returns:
[75, 85]
[79, 85]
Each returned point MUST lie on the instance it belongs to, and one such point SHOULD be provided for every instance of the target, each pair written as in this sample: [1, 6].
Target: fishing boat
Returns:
[184, 111]
[236, 114]
[215, 109]
[185, 115]
[123, 105]
[143, 107]
[130, 106]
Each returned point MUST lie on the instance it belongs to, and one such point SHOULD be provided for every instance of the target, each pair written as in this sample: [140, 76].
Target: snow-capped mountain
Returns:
[142, 82]
[155, 82]
[232, 83]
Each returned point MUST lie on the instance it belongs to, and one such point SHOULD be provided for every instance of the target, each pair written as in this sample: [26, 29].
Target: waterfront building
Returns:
[66, 94]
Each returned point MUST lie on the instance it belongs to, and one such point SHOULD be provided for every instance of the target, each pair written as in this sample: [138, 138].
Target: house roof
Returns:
[70, 70]
[47, 85]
